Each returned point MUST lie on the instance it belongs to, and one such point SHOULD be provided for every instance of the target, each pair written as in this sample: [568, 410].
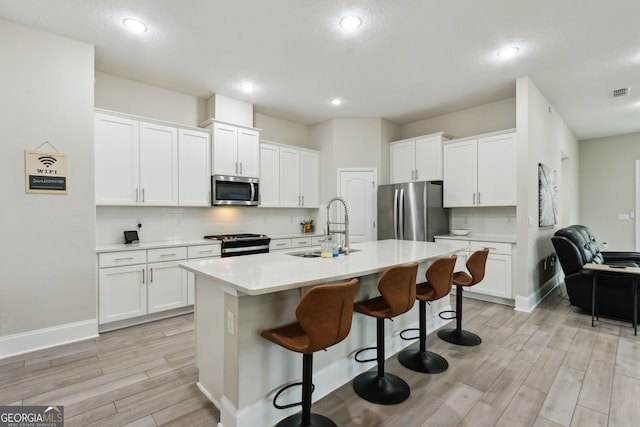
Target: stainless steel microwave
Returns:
[234, 191]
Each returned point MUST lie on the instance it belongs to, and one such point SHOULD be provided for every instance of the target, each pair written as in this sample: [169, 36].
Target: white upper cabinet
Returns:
[117, 166]
[148, 163]
[480, 171]
[158, 165]
[417, 159]
[194, 168]
[289, 176]
[309, 179]
[236, 150]
[269, 175]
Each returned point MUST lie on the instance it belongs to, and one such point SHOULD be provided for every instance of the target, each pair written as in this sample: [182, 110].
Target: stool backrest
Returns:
[476, 264]
[325, 313]
[440, 276]
[398, 288]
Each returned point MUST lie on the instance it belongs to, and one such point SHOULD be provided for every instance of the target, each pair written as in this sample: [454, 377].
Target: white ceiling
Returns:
[411, 59]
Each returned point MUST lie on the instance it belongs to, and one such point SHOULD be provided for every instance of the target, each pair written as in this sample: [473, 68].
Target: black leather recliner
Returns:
[575, 246]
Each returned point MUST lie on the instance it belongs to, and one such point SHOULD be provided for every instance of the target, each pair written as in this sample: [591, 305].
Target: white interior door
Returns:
[358, 187]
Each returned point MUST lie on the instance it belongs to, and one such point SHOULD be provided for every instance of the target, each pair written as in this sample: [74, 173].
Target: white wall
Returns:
[282, 131]
[607, 178]
[120, 94]
[542, 137]
[485, 118]
[48, 275]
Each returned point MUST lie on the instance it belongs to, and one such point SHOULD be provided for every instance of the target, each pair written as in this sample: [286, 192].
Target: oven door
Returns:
[234, 190]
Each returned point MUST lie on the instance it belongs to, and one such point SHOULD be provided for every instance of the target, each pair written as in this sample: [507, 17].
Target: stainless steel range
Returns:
[241, 244]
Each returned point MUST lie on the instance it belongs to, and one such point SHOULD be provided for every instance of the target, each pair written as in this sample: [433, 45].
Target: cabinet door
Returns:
[279, 244]
[122, 293]
[428, 159]
[403, 161]
[269, 175]
[116, 160]
[224, 149]
[248, 153]
[289, 177]
[497, 171]
[309, 179]
[497, 277]
[167, 288]
[460, 175]
[158, 165]
[194, 179]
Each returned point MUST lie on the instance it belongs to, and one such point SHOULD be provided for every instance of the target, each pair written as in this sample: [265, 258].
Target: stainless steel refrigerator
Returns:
[411, 211]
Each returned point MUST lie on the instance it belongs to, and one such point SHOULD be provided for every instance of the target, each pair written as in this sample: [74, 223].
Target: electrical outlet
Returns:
[231, 323]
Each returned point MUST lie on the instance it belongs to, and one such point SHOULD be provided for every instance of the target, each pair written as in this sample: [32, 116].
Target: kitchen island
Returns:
[238, 297]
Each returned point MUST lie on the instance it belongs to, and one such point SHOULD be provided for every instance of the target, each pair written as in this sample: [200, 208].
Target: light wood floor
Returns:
[547, 368]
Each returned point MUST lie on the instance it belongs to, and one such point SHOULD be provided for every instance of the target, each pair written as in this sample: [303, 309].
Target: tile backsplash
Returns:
[485, 220]
[168, 223]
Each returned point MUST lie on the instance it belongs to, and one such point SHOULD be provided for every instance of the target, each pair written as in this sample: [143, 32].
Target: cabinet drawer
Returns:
[301, 242]
[167, 254]
[115, 259]
[317, 241]
[203, 251]
[277, 244]
[494, 247]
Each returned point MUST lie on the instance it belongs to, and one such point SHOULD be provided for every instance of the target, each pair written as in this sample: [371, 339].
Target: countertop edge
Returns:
[480, 237]
[123, 247]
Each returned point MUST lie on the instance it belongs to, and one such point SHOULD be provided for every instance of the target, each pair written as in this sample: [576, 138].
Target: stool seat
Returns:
[397, 287]
[462, 278]
[324, 319]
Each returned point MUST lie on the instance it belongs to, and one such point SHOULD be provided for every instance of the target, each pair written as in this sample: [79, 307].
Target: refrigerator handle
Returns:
[395, 214]
[401, 215]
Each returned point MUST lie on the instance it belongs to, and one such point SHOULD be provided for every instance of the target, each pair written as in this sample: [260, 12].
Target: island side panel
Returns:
[209, 328]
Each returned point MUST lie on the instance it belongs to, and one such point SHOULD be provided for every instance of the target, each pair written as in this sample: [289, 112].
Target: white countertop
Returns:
[498, 238]
[117, 247]
[277, 271]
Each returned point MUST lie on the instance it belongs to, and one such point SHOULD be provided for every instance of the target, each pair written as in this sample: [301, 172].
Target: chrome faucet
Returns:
[345, 222]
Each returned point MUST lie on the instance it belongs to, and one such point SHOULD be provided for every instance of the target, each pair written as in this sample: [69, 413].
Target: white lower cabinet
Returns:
[167, 288]
[497, 280]
[122, 293]
[132, 284]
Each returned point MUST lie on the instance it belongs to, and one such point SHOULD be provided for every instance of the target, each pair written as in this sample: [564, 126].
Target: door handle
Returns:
[401, 214]
[143, 276]
[395, 214]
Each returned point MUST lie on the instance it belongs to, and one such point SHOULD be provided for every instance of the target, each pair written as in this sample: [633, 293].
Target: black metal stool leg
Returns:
[458, 335]
[422, 360]
[380, 387]
[306, 418]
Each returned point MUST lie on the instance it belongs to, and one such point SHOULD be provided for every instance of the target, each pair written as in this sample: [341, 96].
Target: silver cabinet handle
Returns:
[143, 195]
[143, 276]
[124, 259]
[478, 198]
[168, 255]
[206, 252]
[281, 244]
[474, 198]
[136, 195]
[151, 278]
[240, 168]
[302, 200]
[416, 175]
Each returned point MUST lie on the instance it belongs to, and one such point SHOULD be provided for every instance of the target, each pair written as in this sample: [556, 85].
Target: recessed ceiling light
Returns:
[350, 22]
[134, 25]
[336, 101]
[248, 87]
[508, 52]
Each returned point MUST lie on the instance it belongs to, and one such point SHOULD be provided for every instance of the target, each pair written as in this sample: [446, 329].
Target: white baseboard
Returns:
[528, 304]
[26, 342]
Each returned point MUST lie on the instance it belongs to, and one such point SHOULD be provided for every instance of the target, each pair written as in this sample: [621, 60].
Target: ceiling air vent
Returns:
[617, 93]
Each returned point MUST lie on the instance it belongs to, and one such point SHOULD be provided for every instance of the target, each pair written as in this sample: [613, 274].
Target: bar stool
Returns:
[397, 287]
[476, 266]
[438, 285]
[324, 319]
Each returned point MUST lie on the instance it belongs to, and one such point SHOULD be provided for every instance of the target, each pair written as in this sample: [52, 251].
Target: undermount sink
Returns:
[316, 253]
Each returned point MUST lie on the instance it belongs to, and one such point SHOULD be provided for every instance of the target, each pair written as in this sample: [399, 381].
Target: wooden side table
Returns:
[633, 272]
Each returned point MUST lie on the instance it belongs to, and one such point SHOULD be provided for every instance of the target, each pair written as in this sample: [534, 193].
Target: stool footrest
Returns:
[282, 390]
[409, 330]
[451, 315]
[355, 356]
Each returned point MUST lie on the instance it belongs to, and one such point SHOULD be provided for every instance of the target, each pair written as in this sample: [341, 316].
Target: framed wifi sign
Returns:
[46, 172]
